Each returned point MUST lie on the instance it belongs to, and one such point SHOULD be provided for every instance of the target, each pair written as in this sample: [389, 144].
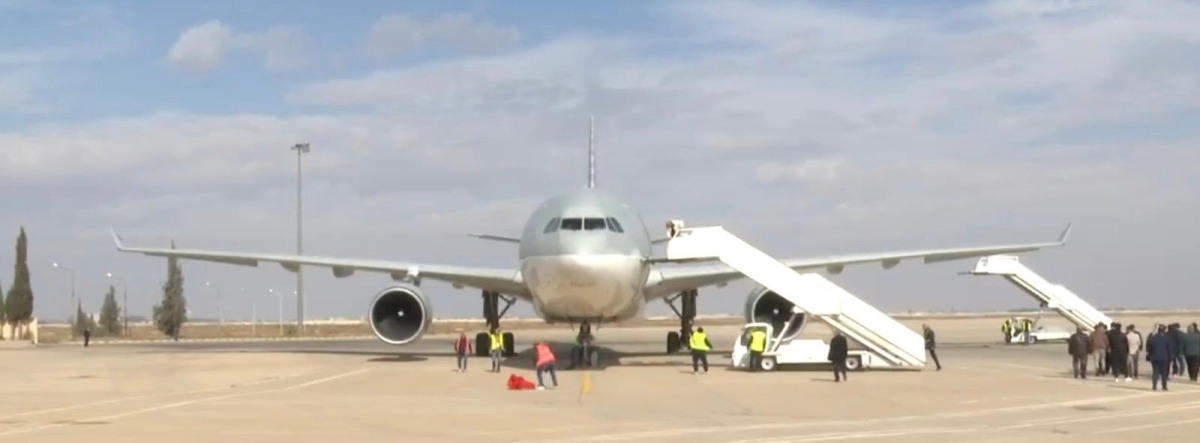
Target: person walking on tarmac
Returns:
[839, 350]
[462, 349]
[1135, 350]
[1158, 353]
[1007, 329]
[1099, 349]
[931, 345]
[700, 346]
[544, 362]
[1078, 346]
[87, 336]
[1118, 351]
[758, 344]
[496, 348]
[1175, 335]
[1191, 351]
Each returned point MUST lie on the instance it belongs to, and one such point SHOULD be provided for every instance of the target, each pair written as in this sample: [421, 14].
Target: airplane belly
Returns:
[585, 286]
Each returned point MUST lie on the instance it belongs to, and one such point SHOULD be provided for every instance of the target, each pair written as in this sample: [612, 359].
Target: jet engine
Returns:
[400, 315]
[765, 306]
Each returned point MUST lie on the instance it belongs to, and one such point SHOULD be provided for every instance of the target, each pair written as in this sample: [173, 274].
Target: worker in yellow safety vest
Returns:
[1007, 328]
[758, 343]
[1027, 327]
[496, 349]
[700, 346]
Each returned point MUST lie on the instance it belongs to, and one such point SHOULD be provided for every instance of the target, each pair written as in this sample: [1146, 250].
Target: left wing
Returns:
[506, 281]
[674, 279]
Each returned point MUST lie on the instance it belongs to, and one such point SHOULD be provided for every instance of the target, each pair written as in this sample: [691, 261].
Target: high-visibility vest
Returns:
[1028, 325]
[1007, 326]
[697, 342]
[758, 341]
[497, 341]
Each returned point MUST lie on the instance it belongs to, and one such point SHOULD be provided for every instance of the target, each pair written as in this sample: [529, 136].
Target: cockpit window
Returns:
[594, 224]
[572, 224]
[552, 226]
[614, 226]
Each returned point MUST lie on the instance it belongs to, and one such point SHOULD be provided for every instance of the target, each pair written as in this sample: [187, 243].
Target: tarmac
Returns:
[367, 391]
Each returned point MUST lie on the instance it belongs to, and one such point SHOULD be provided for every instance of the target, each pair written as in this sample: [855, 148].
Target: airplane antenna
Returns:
[591, 152]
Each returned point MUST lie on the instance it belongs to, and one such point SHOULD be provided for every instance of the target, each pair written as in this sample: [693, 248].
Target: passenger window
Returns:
[552, 226]
[614, 226]
[572, 224]
[594, 224]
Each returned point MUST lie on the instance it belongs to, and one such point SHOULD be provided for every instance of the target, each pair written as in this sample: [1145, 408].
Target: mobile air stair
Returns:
[892, 343]
[1050, 295]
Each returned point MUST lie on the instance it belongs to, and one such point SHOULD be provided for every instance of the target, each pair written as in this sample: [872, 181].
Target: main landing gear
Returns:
[492, 314]
[687, 317]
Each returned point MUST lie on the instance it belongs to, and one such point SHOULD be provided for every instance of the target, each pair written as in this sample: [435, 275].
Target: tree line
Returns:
[16, 307]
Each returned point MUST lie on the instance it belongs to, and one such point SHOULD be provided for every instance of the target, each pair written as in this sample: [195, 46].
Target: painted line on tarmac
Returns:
[860, 422]
[146, 396]
[1119, 414]
[174, 405]
[862, 434]
[1155, 426]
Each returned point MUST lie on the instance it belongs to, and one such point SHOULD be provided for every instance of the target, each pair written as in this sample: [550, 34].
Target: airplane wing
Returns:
[679, 278]
[506, 281]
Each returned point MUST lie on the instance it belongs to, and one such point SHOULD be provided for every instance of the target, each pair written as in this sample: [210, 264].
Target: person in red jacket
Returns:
[462, 348]
[544, 363]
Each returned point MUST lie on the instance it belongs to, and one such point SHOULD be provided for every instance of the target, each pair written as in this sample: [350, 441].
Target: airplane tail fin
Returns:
[591, 152]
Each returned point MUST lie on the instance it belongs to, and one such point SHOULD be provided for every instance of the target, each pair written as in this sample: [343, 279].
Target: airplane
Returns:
[585, 257]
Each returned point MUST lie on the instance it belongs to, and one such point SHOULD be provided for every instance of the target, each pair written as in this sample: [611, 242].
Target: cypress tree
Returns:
[18, 307]
[170, 316]
[110, 313]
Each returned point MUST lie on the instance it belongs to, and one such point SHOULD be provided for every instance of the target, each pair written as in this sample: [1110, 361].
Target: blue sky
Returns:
[810, 127]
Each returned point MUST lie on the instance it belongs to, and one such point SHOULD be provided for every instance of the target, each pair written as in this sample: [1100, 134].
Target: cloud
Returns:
[807, 129]
[397, 34]
[203, 47]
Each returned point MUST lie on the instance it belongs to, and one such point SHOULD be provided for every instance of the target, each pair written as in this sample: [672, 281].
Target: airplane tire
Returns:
[594, 358]
[673, 342]
[510, 344]
[482, 344]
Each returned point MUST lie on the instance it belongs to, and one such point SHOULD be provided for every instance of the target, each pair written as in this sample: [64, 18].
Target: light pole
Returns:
[301, 149]
[73, 306]
[220, 317]
[124, 303]
[280, 310]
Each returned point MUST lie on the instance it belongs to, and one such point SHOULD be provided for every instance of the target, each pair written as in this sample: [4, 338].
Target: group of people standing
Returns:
[1118, 353]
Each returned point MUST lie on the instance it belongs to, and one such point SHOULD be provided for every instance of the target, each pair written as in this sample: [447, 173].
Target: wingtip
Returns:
[1062, 238]
[117, 239]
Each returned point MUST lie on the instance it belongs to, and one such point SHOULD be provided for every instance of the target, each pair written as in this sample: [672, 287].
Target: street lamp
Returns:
[280, 310]
[301, 149]
[220, 317]
[124, 303]
[73, 308]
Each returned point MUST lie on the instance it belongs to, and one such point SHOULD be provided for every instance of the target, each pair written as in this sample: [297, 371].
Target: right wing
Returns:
[506, 281]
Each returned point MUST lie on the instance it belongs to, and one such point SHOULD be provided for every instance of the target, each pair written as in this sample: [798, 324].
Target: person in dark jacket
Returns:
[1191, 351]
[838, 351]
[1176, 335]
[931, 345]
[1077, 347]
[1158, 353]
[1118, 352]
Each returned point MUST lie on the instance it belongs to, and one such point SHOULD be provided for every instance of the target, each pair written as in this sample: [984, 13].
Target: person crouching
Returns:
[544, 363]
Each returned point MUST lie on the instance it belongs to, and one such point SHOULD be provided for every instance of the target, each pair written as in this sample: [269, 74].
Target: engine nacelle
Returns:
[765, 306]
[399, 315]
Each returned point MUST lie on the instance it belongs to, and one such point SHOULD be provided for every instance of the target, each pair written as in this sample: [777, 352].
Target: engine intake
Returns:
[765, 306]
[399, 315]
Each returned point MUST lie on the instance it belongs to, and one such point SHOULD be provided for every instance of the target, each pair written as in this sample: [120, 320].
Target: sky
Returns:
[807, 128]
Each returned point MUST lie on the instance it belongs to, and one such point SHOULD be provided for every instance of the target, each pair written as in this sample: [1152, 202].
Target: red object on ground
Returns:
[518, 383]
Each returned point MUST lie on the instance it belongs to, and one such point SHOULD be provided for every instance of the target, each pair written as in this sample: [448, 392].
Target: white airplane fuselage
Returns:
[584, 256]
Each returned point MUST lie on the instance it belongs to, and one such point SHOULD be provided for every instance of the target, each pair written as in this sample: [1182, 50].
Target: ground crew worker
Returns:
[462, 348]
[1099, 339]
[87, 336]
[544, 363]
[1027, 327]
[700, 346]
[1078, 346]
[839, 350]
[497, 347]
[1135, 349]
[931, 345]
[1007, 328]
[758, 343]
